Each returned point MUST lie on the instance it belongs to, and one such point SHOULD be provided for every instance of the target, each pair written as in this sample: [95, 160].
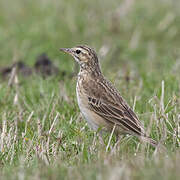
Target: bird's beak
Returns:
[66, 50]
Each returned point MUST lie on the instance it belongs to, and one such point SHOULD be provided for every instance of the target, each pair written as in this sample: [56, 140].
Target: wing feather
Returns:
[119, 115]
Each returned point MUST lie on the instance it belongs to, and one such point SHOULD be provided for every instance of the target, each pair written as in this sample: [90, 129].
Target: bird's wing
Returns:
[120, 114]
[105, 100]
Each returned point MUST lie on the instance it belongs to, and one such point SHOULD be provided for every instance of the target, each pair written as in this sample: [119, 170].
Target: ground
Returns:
[42, 134]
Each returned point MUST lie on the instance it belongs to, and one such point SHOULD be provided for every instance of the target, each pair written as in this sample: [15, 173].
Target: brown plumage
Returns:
[99, 101]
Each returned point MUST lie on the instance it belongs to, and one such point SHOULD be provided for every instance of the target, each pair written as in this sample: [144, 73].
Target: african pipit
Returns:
[99, 101]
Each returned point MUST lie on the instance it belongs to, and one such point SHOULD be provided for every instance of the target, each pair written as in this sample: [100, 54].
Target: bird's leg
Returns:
[100, 137]
[118, 139]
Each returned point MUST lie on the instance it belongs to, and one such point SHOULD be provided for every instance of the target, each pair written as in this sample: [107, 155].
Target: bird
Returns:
[99, 101]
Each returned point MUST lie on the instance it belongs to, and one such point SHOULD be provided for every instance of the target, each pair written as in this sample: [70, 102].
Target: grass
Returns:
[42, 134]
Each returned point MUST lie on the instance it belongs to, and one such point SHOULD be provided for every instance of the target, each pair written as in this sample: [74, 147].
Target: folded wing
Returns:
[119, 114]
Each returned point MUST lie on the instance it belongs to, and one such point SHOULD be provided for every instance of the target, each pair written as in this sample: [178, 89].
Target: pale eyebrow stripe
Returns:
[84, 47]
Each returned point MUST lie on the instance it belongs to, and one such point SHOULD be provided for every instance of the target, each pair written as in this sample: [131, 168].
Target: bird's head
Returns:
[84, 55]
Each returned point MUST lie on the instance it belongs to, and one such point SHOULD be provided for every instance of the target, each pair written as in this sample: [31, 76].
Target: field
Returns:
[42, 133]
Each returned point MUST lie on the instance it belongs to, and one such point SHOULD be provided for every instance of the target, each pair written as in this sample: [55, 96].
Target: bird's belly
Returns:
[87, 114]
[94, 120]
[90, 120]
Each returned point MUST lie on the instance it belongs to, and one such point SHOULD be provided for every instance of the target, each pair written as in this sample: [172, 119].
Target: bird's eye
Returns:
[78, 51]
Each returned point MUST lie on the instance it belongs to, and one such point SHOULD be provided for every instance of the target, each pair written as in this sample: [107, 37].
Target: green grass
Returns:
[42, 134]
